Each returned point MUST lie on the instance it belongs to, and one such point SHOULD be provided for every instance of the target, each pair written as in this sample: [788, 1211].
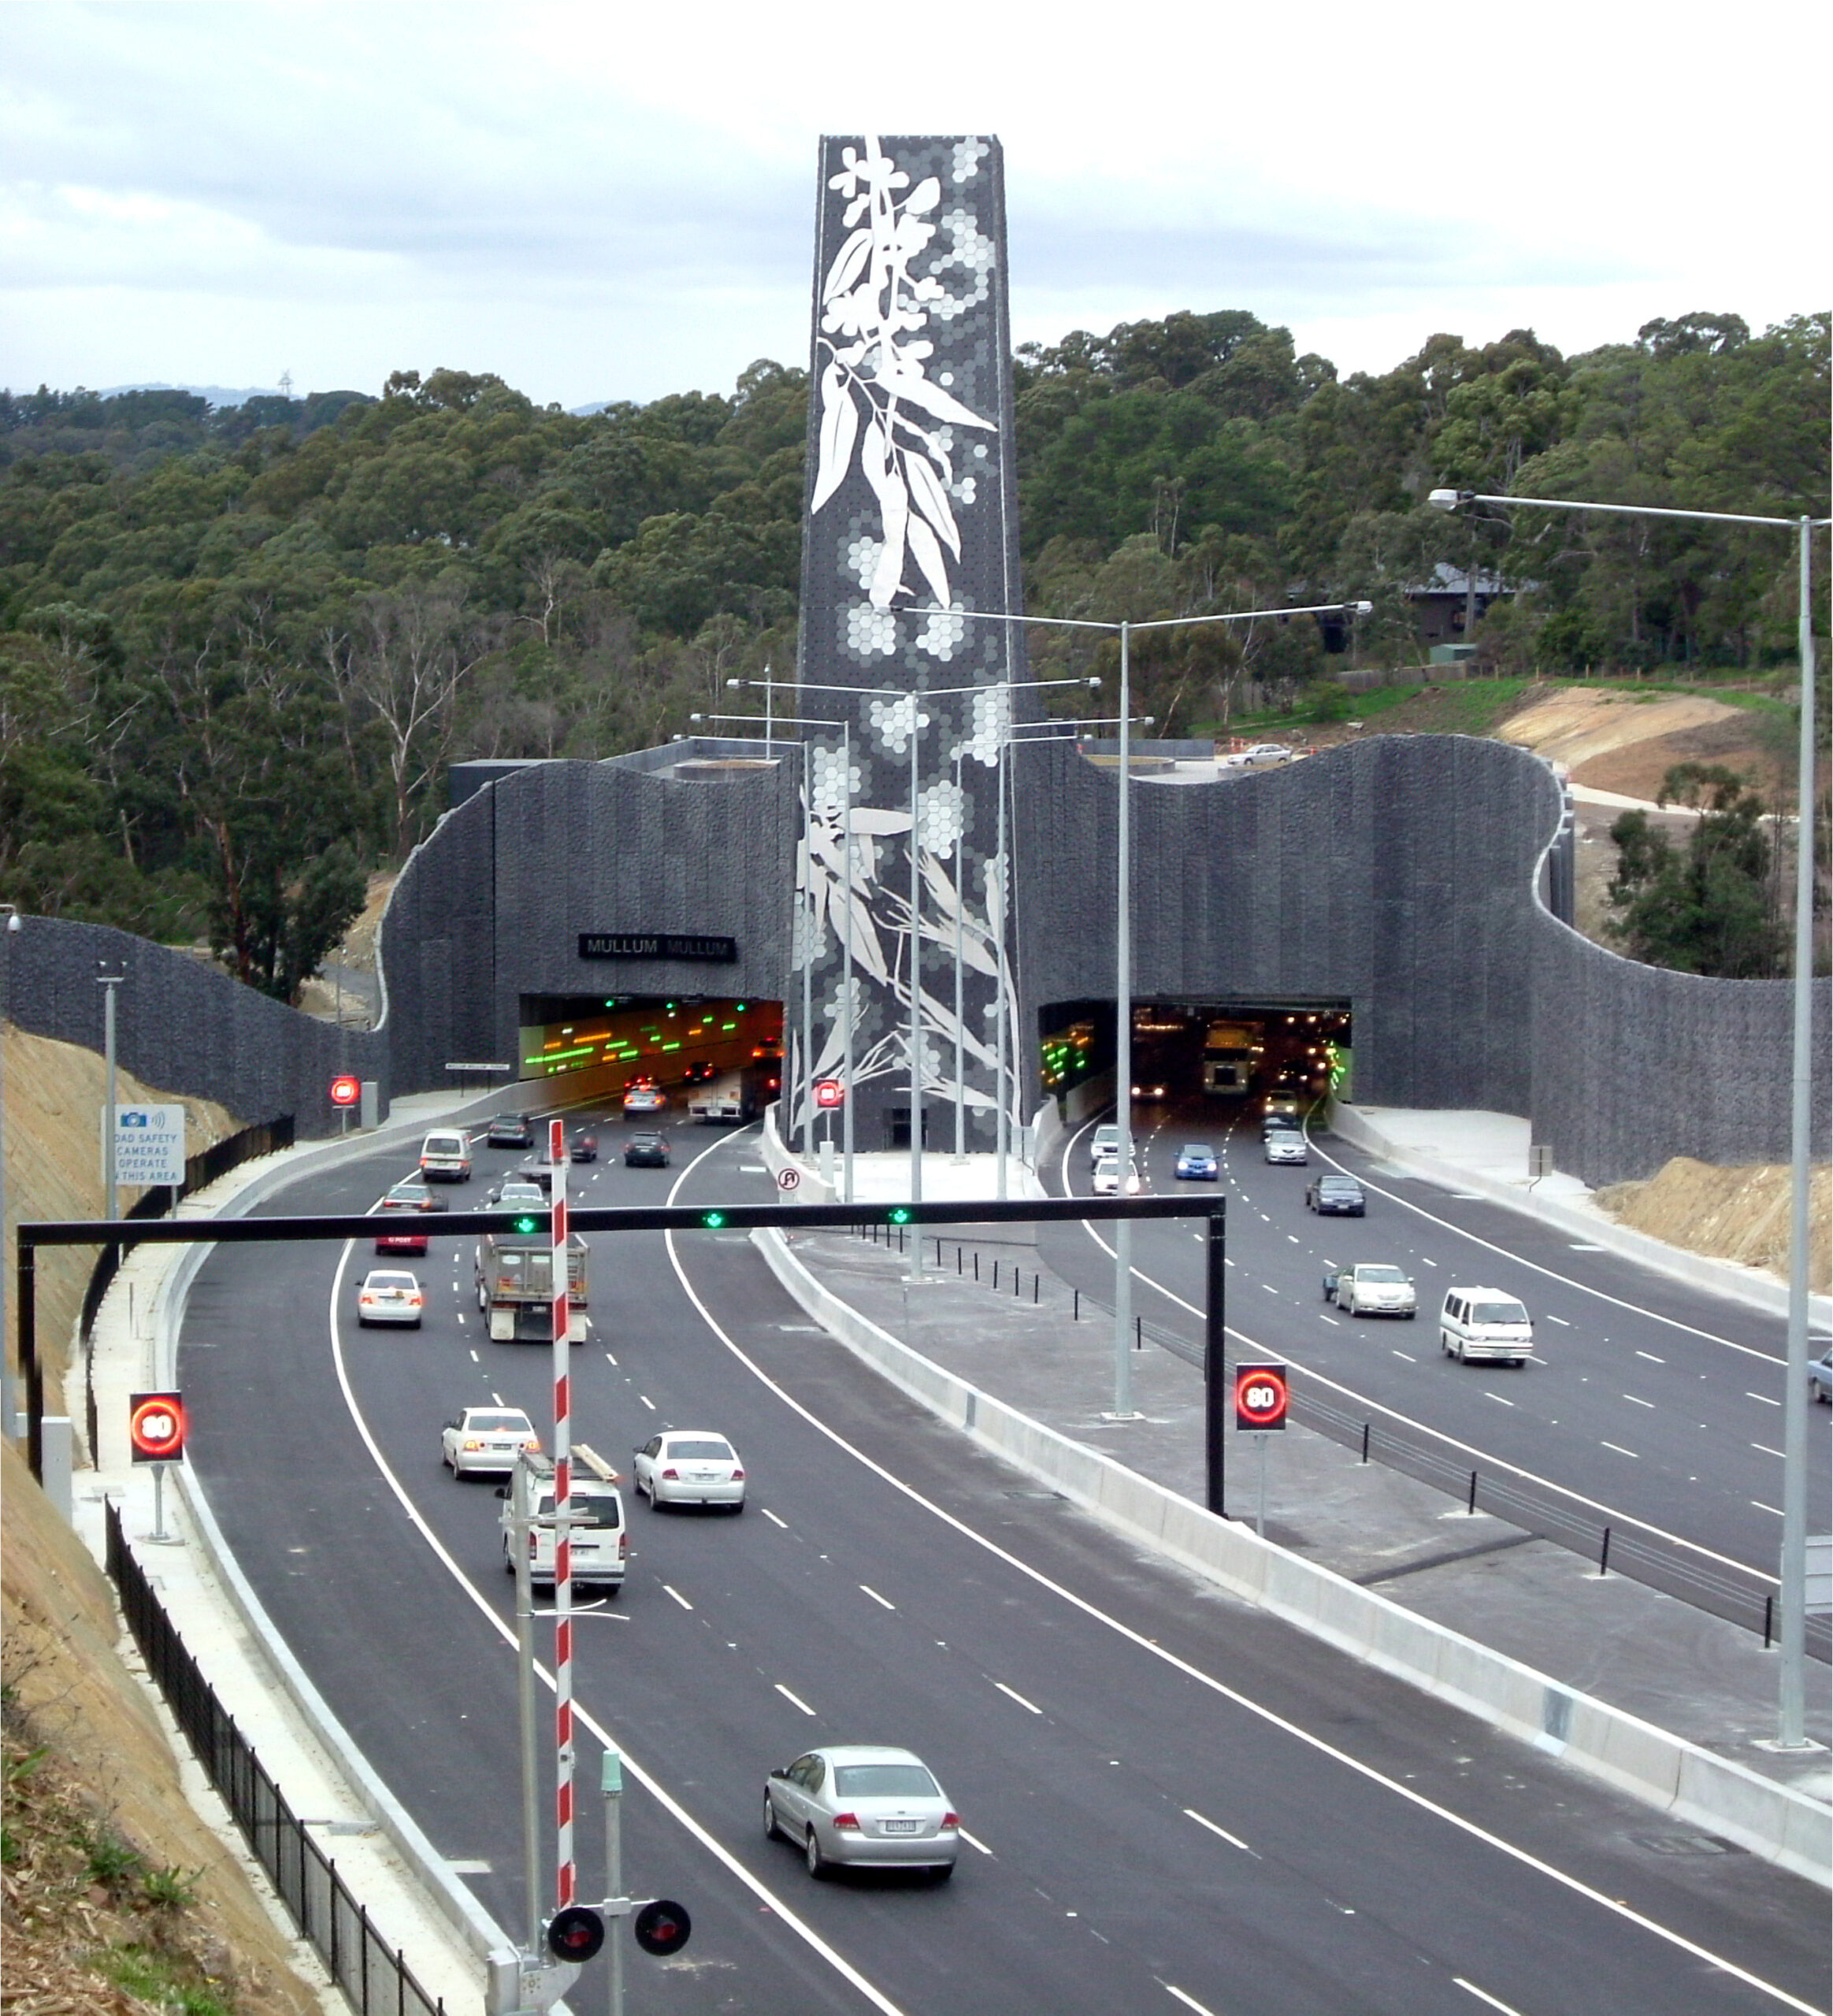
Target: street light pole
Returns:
[1123, 1407]
[8, 1413]
[1792, 1634]
[960, 907]
[108, 983]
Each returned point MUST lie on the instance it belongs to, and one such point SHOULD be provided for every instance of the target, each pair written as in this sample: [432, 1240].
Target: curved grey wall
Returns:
[491, 907]
[181, 1026]
[1398, 874]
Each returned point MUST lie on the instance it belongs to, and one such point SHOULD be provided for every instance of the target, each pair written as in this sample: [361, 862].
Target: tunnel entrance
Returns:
[678, 1040]
[1216, 1050]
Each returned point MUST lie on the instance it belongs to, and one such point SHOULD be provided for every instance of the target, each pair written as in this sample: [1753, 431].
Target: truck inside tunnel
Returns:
[1192, 1051]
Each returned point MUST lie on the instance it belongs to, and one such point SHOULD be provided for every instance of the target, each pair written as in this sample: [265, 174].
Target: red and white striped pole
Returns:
[566, 1871]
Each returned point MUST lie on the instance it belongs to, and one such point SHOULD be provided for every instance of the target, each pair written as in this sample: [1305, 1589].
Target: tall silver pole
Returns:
[996, 911]
[807, 955]
[916, 1010]
[1791, 1733]
[108, 982]
[847, 965]
[1123, 1043]
[960, 906]
[611, 1784]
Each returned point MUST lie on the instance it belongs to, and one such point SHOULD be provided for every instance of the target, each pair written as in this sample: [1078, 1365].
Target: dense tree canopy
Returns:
[238, 647]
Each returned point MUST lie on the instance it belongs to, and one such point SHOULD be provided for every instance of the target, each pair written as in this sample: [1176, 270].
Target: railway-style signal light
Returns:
[661, 1927]
[575, 1934]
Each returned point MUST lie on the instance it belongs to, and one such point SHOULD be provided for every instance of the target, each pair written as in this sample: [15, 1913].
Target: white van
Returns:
[601, 1542]
[1478, 1324]
[445, 1156]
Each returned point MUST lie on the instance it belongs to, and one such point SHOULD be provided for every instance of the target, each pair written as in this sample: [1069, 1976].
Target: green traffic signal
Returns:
[899, 1215]
[712, 1220]
[528, 1225]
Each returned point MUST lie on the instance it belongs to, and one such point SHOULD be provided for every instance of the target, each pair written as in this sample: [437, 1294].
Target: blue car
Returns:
[1197, 1162]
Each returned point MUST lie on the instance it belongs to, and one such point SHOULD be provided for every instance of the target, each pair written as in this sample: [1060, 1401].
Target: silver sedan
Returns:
[862, 1804]
[690, 1466]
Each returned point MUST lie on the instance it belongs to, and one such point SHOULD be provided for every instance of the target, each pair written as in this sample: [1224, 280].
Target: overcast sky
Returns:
[599, 201]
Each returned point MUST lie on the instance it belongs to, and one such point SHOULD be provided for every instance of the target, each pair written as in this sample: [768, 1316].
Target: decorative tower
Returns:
[911, 532]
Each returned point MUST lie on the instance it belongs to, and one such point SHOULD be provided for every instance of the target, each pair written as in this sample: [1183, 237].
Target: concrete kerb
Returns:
[1767, 1819]
[1589, 1224]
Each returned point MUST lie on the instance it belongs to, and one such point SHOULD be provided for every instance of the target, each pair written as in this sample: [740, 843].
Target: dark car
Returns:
[585, 1148]
[1339, 1194]
[511, 1130]
[646, 1150]
[414, 1196]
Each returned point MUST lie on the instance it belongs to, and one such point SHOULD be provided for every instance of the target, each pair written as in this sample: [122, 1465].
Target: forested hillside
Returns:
[238, 647]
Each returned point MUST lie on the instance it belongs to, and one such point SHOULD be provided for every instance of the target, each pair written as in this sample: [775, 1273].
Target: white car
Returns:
[644, 1096]
[1105, 1182]
[389, 1295]
[1106, 1142]
[1263, 756]
[486, 1439]
[690, 1466]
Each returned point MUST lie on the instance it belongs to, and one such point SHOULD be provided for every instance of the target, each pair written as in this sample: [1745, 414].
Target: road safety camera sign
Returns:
[149, 1144]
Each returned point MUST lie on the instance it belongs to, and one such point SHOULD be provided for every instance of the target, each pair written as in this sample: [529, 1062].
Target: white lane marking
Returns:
[1575, 1248]
[1427, 1261]
[505, 1630]
[979, 1846]
[1764, 1398]
[1407, 1355]
[796, 1699]
[644, 1397]
[1634, 1402]
[676, 1593]
[1482, 1995]
[874, 1594]
[1651, 1357]
[475, 1358]
[774, 1520]
[1190, 1812]
[1283, 1356]
[1408, 1794]
[1497, 1398]
[1269, 1288]
[1013, 1694]
[1764, 1449]
[1466, 1196]
[1761, 1507]
[1293, 1239]
[1620, 1450]
[1534, 1266]
[1334, 1322]
[1559, 1319]
[608, 1359]
[1189, 2001]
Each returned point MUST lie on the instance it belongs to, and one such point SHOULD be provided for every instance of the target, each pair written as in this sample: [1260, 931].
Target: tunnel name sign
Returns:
[658, 945]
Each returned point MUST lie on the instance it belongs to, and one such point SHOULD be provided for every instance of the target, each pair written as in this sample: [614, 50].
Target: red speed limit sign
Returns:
[829, 1093]
[1261, 1396]
[156, 1427]
[345, 1090]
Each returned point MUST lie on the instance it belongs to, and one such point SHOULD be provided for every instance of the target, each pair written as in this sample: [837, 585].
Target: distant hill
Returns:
[218, 395]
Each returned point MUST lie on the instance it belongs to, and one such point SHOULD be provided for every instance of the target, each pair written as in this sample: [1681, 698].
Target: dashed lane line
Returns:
[668, 1590]
[1190, 1812]
[1012, 1694]
[1619, 1449]
[795, 1700]
[885, 1601]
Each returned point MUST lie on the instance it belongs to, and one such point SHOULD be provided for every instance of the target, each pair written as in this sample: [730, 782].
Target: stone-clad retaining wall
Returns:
[182, 1025]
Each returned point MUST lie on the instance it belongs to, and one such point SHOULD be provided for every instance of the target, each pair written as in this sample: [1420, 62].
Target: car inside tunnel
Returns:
[1193, 1052]
[674, 1043]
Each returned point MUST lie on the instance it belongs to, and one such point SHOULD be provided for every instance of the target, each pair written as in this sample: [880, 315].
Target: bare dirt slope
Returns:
[1626, 742]
[55, 1097]
[1739, 1214]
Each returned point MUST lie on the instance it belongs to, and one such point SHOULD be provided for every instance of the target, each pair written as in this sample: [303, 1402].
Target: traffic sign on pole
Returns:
[345, 1090]
[1261, 1396]
[156, 1427]
[829, 1092]
[788, 1178]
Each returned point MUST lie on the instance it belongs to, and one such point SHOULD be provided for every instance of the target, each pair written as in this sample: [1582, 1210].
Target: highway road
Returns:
[1173, 1802]
[1645, 1398]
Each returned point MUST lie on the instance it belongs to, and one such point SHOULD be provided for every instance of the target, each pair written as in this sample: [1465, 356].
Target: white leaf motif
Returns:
[846, 262]
[925, 195]
[932, 399]
[840, 428]
[932, 500]
[929, 557]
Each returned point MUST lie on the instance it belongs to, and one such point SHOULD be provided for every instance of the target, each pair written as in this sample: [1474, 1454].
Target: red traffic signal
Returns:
[575, 1933]
[1261, 1396]
[662, 1927]
[156, 1427]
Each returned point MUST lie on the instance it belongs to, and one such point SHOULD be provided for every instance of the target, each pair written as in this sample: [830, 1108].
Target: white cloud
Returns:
[595, 201]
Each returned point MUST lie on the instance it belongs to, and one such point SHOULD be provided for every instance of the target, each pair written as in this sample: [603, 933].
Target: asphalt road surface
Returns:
[1172, 1801]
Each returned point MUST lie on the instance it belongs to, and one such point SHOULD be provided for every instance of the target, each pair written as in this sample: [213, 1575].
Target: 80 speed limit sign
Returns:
[1261, 1396]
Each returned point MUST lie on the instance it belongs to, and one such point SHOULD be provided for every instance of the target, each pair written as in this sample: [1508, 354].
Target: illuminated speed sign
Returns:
[1261, 1396]
[156, 1427]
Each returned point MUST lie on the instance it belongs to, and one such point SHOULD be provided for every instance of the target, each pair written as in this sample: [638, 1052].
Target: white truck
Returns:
[1231, 1053]
[1371, 1288]
[515, 1287]
[728, 1099]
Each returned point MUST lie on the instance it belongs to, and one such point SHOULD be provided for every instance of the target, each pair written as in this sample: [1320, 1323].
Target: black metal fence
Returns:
[1621, 1547]
[372, 1976]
